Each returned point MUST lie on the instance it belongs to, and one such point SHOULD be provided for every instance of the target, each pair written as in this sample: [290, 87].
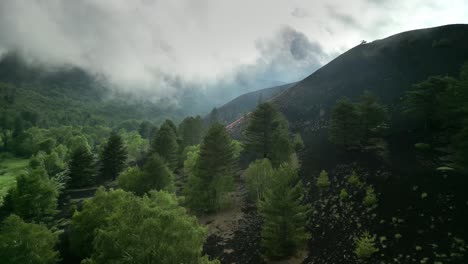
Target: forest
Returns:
[363, 161]
[132, 194]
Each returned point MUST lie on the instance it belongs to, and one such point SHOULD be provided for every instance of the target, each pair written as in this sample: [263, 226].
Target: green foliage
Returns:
[422, 146]
[191, 153]
[267, 136]
[22, 242]
[344, 194]
[371, 114]
[354, 180]
[283, 231]
[297, 142]
[344, 124]
[365, 247]
[258, 177]
[113, 158]
[35, 196]
[191, 131]
[136, 145]
[371, 197]
[165, 144]
[81, 168]
[156, 222]
[207, 188]
[323, 181]
[154, 176]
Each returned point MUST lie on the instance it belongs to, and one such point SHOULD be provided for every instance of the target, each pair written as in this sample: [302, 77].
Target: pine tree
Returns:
[165, 144]
[371, 114]
[213, 177]
[267, 136]
[285, 216]
[191, 131]
[113, 157]
[344, 124]
[81, 168]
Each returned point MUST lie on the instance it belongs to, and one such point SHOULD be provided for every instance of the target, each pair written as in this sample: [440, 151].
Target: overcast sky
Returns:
[167, 46]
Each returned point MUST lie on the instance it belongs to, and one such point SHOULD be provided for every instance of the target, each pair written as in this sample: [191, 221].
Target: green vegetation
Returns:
[166, 145]
[353, 124]
[9, 169]
[267, 135]
[258, 177]
[212, 179]
[22, 242]
[285, 216]
[100, 230]
[35, 196]
[323, 181]
[154, 176]
[81, 169]
[113, 158]
[365, 247]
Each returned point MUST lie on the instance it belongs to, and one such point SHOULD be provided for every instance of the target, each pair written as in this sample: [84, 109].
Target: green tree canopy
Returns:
[216, 165]
[81, 168]
[344, 124]
[22, 242]
[113, 157]
[165, 144]
[35, 196]
[285, 216]
[191, 131]
[154, 176]
[161, 229]
[267, 135]
[258, 177]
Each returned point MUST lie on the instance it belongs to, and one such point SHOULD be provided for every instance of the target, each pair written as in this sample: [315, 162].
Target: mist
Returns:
[216, 49]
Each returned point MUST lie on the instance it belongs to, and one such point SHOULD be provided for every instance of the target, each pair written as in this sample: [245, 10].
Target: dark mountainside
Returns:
[247, 102]
[410, 227]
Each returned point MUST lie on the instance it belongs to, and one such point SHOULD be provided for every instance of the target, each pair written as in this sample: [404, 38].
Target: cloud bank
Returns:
[218, 47]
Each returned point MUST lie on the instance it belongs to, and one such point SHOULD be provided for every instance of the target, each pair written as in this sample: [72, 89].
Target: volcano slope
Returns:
[421, 212]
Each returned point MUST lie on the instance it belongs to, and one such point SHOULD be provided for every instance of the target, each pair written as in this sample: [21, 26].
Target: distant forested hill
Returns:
[68, 96]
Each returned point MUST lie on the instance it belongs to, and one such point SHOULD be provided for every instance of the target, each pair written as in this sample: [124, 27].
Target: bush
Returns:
[344, 194]
[323, 181]
[371, 198]
[354, 180]
[365, 246]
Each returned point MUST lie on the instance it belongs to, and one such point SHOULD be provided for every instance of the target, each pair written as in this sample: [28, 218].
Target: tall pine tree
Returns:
[344, 124]
[267, 135]
[214, 171]
[165, 144]
[81, 168]
[285, 216]
[371, 114]
[113, 158]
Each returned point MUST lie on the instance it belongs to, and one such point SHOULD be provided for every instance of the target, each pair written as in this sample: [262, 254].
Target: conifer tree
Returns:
[267, 136]
[214, 170]
[371, 114]
[285, 216]
[165, 144]
[191, 131]
[113, 157]
[81, 168]
[344, 124]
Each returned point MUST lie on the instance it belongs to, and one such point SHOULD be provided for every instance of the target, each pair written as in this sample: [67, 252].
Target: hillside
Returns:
[245, 103]
[70, 96]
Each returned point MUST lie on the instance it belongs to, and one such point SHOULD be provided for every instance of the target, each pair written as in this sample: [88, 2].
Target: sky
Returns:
[222, 48]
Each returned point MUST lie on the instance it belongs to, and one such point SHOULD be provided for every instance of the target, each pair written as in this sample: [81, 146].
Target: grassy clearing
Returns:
[10, 167]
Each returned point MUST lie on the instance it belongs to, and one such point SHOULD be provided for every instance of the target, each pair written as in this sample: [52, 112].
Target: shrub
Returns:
[365, 246]
[371, 198]
[323, 181]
